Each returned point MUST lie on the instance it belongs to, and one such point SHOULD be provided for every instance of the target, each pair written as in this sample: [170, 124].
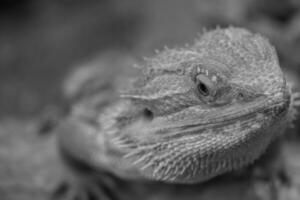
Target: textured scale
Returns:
[163, 128]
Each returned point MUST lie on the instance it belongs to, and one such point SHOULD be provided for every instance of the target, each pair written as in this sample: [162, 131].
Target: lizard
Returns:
[193, 114]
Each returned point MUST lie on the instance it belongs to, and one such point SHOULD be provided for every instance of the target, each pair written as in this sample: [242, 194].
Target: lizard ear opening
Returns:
[148, 114]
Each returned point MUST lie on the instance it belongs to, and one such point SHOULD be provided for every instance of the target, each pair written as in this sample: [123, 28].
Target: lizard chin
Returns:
[186, 150]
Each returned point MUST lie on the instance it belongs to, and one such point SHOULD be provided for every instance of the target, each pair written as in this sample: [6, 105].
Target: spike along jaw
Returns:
[215, 107]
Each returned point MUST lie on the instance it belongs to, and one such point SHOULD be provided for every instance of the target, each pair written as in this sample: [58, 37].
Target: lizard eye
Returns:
[203, 89]
[204, 85]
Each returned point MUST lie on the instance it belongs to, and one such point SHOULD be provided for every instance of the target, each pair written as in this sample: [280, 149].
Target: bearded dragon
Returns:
[194, 113]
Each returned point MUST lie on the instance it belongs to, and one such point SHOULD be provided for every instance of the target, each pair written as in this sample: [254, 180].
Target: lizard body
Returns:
[194, 113]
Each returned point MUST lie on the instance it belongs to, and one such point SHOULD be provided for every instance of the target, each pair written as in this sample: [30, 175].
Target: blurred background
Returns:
[43, 41]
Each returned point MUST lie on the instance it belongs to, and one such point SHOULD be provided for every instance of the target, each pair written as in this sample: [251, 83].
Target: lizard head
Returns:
[205, 109]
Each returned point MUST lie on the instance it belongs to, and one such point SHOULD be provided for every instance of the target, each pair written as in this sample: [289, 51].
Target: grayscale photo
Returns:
[150, 100]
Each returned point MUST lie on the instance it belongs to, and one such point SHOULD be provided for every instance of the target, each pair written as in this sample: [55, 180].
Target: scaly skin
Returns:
[195, 113]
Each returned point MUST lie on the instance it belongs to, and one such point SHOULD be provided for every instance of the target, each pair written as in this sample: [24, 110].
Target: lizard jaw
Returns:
[182, 154]
[197, 117]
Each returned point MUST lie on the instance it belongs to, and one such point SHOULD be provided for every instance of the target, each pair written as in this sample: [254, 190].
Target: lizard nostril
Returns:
[148, 114]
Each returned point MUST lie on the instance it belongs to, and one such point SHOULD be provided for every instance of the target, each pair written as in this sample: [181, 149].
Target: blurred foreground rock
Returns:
[29, 167]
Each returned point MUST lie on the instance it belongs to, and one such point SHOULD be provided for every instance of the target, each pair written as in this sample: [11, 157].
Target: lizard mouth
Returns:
[189, 150]
[258, 111]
